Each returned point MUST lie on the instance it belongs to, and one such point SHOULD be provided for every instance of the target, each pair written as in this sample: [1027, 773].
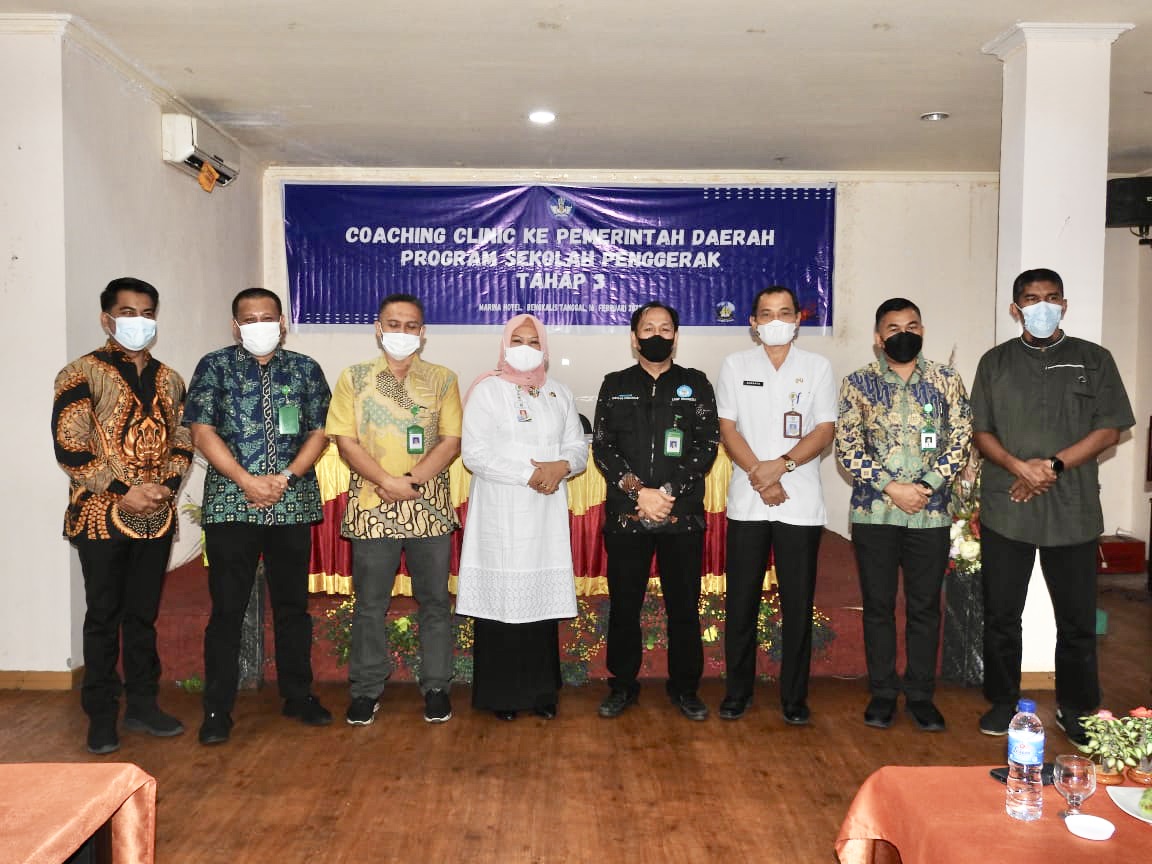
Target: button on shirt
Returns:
[241, 399]
[1037, 402]
[755, 395]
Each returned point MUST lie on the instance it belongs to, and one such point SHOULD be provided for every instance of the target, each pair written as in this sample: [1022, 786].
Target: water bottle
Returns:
[1024, 799]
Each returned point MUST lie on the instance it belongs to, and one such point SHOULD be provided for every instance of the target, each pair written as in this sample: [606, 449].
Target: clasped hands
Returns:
[764, 478]
[263, 490]
[144, 499]
[547, 476]
[1033, 477]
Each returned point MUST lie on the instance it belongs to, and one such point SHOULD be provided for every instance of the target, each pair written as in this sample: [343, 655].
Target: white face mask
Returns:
[776, 332]
[1041, 319]
[135, 333]
[260, 337]
[523, 358]
[400, 345]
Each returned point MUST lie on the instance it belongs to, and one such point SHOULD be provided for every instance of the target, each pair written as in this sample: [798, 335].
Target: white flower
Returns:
[957, 530]
[970, 550]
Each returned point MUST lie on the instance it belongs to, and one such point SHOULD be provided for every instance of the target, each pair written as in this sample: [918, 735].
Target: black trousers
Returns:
[123, 580]
[234, 550]
[678, 560]
[516, 667]
[1070, 573]
[749, 546]
[882, 551]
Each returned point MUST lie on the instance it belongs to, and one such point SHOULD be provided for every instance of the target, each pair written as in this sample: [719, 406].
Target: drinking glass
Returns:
[1075, 779]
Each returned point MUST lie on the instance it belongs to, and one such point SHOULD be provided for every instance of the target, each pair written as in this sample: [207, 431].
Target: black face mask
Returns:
[903, 347]
[656, 349]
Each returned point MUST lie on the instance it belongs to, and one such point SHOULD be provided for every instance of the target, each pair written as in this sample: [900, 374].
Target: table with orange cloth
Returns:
[947, 815]
[48, 811]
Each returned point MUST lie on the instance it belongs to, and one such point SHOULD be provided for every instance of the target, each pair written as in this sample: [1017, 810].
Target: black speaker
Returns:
[1129, 202]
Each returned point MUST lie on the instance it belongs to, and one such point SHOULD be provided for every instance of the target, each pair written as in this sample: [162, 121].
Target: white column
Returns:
[1053, 170]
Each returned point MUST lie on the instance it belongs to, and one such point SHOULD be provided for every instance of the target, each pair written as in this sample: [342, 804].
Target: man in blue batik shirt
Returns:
[257, 413]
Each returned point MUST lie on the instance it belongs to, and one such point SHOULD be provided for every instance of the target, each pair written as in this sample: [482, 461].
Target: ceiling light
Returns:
[542, 117]
[933, 116]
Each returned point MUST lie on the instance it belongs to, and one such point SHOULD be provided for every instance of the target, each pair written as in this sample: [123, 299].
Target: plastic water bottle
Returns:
[1025, 795]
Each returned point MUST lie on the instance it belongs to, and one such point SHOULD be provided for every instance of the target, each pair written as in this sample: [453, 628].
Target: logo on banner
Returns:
[725, 311]
[560, 208]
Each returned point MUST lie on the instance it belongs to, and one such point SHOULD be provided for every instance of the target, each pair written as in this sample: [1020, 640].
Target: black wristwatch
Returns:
[1057, 464]
[290, 477]
[926, 485]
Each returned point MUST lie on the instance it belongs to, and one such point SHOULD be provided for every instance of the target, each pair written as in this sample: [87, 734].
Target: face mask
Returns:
[655, 349]
[134, 333]
[260, 337]
[400, 345]
[903, 347]
[776, 332]
[1041, 319]
[523, 358]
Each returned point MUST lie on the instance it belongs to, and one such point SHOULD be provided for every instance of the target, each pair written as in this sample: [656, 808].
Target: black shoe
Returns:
[362, 711]
[308, 711]
[437, 707]
[505, 715]
[102, 735]
[546, 711]
[216, 728]
[925, 715]
[996, 719]
[733, 707]
[796, 715]
[617, 702]
[879, 712]
[690, 706]
[1070, 722]
[153, 721]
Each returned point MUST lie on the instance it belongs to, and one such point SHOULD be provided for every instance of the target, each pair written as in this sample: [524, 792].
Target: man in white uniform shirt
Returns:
[777, 409]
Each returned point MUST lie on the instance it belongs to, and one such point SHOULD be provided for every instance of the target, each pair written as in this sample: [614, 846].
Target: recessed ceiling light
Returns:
[933, 116]
[542, 117]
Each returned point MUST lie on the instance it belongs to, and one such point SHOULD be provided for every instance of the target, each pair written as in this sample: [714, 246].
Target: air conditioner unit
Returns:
[189, 144]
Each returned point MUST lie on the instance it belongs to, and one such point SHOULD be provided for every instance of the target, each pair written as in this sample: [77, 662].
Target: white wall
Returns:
[85, 200]
[931, 238]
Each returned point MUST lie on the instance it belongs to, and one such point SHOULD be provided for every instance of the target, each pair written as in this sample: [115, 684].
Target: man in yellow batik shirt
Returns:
[396, 420]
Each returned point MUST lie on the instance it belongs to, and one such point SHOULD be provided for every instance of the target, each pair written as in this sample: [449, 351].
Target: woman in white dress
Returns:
[522, 439]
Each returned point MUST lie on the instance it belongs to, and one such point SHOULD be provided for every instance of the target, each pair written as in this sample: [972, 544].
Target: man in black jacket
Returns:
[656, 435]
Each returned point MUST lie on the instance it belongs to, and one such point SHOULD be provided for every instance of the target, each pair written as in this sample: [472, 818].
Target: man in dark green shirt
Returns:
[1044, 407]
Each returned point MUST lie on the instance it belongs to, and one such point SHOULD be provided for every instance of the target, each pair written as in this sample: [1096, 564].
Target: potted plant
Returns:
[1108, 746]
[1138, 725]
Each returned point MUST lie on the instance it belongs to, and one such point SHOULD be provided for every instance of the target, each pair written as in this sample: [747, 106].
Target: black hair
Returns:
[654, 304]
[126, 283]
[775, 289]
[256, 294]
[401, 298]
[1031, 277]
[896, 304]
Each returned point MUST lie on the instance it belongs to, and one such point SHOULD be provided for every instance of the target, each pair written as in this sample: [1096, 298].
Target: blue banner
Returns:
[570, 256]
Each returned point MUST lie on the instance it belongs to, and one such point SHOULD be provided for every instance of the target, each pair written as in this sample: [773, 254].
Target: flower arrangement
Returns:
[1117, 743]
[964, 553]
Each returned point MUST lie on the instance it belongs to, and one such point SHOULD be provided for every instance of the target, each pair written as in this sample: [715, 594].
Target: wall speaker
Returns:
[1129, 202]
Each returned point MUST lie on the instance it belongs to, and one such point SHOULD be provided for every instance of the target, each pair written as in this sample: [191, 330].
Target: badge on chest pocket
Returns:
[673, 442]
[288, 420]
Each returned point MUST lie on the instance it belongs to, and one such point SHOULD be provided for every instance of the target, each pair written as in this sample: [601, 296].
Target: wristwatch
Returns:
[1057, 464]
[292, 478]
[789, 464]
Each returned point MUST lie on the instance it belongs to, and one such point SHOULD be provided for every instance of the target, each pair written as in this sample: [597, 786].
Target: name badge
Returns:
[928, 439]
[288, 420]
[793, 424]
[673, 442]
[415, 439]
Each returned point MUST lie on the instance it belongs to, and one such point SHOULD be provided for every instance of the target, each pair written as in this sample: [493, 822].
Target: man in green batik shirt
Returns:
[257, 414]
[903, 432]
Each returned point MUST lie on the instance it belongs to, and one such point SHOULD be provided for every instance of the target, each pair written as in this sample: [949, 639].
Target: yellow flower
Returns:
[402, 624]
[710, 635]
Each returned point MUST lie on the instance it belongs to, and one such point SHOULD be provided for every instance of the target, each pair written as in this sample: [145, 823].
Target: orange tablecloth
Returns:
[956, 816]
[47, 811]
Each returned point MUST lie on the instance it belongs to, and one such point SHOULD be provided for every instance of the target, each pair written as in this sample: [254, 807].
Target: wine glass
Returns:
[1075, 779]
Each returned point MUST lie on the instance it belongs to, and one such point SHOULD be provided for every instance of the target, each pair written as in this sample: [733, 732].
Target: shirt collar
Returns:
[116, 348]
[892, 378]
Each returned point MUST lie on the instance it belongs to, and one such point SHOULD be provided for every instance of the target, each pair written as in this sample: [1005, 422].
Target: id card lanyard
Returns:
[793, 422]
[415, 434]
[674, 439]
[288, 415]
[928, 431]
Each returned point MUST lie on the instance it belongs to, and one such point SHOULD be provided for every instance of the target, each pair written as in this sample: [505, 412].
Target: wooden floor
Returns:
[650, 786]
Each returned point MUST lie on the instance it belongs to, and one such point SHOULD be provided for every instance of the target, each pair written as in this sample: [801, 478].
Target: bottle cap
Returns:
[1028, 705]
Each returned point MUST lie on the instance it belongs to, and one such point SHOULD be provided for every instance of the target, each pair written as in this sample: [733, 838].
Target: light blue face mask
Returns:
[1041, 319]
[135, 333]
